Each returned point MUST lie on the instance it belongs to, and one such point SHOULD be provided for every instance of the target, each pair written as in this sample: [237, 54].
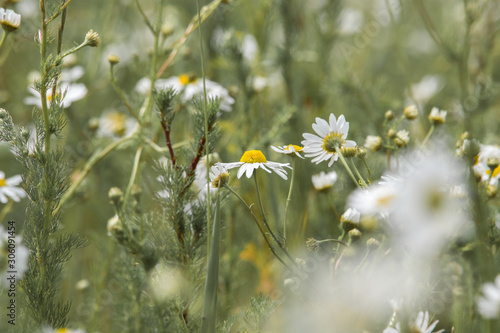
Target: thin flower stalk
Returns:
[133, 175]
[288, 199]
[342, 159]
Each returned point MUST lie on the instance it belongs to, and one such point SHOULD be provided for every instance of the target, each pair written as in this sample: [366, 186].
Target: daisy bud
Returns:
[93, 124]
[360, 152]
[402, 138]
[389, 115]
[411, 112]
[437, 117]
[92, 38]
[372, 244]
[354, 235]
[115, 196]
[348, 151]
[114, 226]
[391, 133]
[374, 142]
[113, 59]
[322, 182]
[491, 191]
[167, 30]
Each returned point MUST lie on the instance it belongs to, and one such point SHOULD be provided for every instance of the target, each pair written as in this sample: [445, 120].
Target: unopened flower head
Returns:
[253, 160]
[113, 59]
[349, 151]
[411, 112]
[437, 117]
[291, 150]
[389, 115]
[92, 38]
[330, 137]
[350, 219]
[219, 175]
[9, 20]
[324, 181]
[402, 138]
[9, 189]
[373, 142]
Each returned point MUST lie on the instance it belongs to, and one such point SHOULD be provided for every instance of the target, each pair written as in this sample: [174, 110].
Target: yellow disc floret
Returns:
[184, 79]
[2, 182]
[297, 148]
[253, 156]
[118, 123]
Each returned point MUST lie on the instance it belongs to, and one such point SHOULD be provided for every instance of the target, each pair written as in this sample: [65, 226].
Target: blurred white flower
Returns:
[420, 325]
[291, 150]
[9, 189]
[253, 160]
[21, 259]
[488, 304]
[402, 138]
[115, 125]
[427, 87]
[331, 136]
[200, 174]
[189, 88]
[489, 155]
[324, 181]
[377, 199]
[373, 142]
[351, 215]
[71, 92]
[437, 116]
[351, 21]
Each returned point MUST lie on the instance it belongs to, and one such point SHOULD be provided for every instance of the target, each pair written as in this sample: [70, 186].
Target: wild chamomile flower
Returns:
[291, 150]
[420, 325]
[253, 160]
[219, 175]
[488, 304]
[9, 20]
[350, 219]
[331, 136]
[411, 112]
[487, 165]
[373, 142]
[8, 188]
[437, 116]
[114, 124]
[189, 87]
[402, 138]
[324, 181]
[377, 199]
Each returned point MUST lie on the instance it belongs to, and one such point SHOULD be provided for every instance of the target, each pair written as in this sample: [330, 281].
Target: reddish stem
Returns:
[169, 142]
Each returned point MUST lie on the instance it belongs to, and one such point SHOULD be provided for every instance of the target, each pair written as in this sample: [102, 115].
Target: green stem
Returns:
[205, 112]
[289, 198]
[208, 318]
[4, 37]
[133, 175]
[259, 226]
[427, 136]
[367, 169]
[363, 182]
[121, 94]
[342, 159]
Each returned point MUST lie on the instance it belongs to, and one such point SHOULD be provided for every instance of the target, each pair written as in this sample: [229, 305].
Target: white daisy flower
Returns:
[200, 174]
[377, 199]
[8, 188]
[402, 138]
[292, 150]
[331, 136]
[219, 175]
[489, 155]
[71, 92]
[373, 142]
[324, 181]
[9, 20]
[420, 325]
[253, 160]
[437, 116]
[488, 304]
[21, 262]
[189, 87]
[114, 124]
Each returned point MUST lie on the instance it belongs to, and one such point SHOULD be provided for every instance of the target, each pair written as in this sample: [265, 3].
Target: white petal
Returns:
[241, 170]
[3, 198]
[349, 143]
[312, 137]
[14, 180]
[250, 168]
[333, 123]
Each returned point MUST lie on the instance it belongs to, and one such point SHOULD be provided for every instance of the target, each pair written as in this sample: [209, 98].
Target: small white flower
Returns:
[21, 262]
[9, 20]
[411, 112]
[402, 138]
[71, 92]
[377, 199]
[420, 325]
[488, 304]
[292, 150]
[487, 154]
[324, 181]
[331, 136]
[373, 142]
[189, 87]
[8, 188]
[253, 160]
[218, 175]
[114, 124]
[437, 116]
[351, 215]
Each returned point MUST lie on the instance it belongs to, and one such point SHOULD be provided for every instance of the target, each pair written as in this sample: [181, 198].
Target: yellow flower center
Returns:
[495, 173]
[297, 148]
[2, 182]
[118, 121]
[332, 141]
[253, 156]
[62, 330]
[385, 200]
[185, 79]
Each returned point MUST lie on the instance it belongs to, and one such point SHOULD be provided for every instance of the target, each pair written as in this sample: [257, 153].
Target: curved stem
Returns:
[427, 136]
[133, 175]
[367, 169]
[289, 198]
[258, 225]
[4, 37]
[361, 179]
[342, 159]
